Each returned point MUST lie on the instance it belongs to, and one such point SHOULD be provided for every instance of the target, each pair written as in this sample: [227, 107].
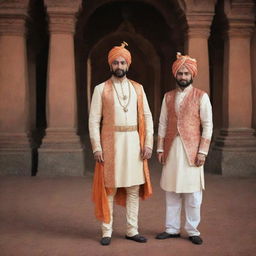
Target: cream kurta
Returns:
[128, 163]
[177, 175]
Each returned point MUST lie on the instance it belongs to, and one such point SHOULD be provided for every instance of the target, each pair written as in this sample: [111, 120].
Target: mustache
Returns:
[119, 72]
[118, 69]
[184, 83]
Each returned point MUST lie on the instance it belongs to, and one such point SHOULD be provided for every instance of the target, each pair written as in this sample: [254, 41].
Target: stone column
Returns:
[15, 150]
[61, 150]
[235, 148]
[197, 46]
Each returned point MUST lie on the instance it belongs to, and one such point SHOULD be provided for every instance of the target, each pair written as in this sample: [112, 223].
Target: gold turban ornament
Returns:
[119, 51]
[185, 61]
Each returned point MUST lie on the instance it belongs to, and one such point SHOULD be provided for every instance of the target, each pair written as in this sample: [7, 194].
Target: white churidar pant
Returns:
[132, 209]
[192, 211]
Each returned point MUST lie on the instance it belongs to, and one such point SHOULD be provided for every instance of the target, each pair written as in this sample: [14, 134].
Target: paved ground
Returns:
[54, 216]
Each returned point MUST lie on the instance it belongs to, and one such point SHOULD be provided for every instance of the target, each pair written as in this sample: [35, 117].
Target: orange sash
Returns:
[103, 181]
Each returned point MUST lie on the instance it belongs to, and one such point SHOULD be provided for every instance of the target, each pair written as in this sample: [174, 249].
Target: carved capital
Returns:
[199, 24]
[13, 14]
[240, 31]
[240, 9]
[62, 14]
[63, 6]
[62, 23]
[241, 17]
[12, 25]
[198, 32]
[13, 4]
[198, 6]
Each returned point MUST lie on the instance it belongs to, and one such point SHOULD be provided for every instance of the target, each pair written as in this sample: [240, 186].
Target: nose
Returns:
[183, 76]
[119, 65]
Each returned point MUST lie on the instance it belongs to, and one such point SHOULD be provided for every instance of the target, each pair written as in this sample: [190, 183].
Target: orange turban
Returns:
[119, 51]
[186, 61]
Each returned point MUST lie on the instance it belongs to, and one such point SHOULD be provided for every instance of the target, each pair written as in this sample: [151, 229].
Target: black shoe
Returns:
[137, 238]
[105, 240]
[196, 239]
[165, 235]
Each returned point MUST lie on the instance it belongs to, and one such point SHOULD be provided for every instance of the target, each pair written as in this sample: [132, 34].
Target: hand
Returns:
[98, 156]
[200, 159]
[160, 156]
[146, 153]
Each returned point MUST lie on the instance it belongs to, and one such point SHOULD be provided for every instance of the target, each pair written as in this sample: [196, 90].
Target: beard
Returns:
[184, 83]
[119, 73]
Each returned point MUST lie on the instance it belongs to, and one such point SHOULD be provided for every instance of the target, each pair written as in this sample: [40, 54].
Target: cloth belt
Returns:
[126, 128]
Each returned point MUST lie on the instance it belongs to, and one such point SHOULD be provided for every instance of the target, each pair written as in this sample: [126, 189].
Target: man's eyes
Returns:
[121, 62]
[186, 73]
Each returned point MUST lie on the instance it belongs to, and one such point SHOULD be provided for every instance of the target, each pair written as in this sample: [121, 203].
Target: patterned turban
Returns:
[119, 51]
[185, 61]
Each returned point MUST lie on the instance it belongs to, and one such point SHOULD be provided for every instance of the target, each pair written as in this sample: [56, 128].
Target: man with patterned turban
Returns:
[121, 133]
[182, 149]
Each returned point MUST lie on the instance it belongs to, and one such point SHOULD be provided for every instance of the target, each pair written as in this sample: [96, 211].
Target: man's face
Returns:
[119, 67]
[184, 77]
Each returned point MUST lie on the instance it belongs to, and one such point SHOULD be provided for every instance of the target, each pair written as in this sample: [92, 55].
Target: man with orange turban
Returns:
[121, 147]
[182, 149]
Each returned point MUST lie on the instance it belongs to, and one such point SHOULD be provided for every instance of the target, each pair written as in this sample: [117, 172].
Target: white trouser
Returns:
[192, 210]
[132, 209]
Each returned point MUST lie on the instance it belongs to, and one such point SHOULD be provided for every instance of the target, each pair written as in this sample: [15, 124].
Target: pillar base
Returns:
[61, 154]
[16, 154]
[233, 153]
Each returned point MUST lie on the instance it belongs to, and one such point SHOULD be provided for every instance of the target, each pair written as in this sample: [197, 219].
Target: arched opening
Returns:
[153, 37]
[145, 67]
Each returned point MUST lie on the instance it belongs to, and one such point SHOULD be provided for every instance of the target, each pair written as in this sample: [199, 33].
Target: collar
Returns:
[187, 89]
[118, 81]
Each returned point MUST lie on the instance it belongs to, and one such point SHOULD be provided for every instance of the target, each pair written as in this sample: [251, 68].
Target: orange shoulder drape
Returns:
[103, 181]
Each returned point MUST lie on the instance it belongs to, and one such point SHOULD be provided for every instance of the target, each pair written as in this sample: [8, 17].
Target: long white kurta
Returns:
[128, 162]
[177, 175]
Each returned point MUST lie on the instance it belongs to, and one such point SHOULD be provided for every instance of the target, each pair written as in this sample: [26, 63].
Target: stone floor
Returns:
[54, 216]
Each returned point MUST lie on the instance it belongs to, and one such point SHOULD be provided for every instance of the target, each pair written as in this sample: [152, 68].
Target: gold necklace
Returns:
[125, 107]
[124, 96]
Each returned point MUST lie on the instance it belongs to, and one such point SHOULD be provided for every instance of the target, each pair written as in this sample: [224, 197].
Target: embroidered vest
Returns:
[185, 123]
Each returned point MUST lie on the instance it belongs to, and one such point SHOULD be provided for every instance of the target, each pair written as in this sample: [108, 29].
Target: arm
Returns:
[162, 131]
[149, 129]
[94, 124]
[206, 122]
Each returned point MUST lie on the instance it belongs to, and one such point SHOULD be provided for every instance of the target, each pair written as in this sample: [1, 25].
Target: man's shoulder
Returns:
[99, 86]
[170, 92]
[199, 92]
[135, 83]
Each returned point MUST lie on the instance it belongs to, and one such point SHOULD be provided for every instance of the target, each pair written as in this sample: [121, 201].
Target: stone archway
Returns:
[150, 28]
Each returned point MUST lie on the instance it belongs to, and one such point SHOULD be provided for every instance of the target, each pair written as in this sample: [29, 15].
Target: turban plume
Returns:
[184, 61]
[119, 51]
